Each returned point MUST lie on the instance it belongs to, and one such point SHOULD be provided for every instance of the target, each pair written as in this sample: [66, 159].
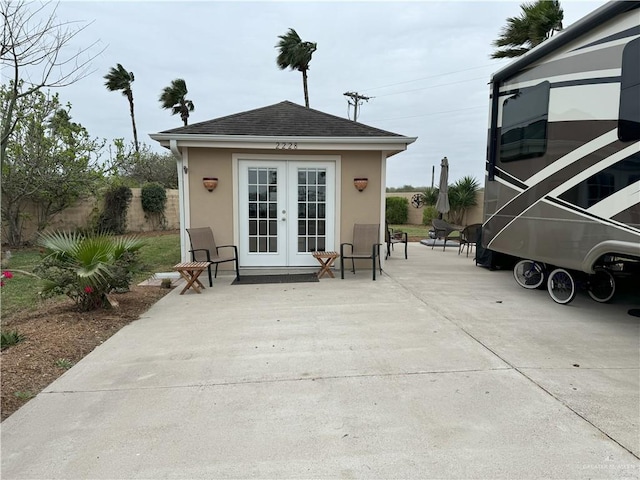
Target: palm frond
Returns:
[59, 243]
[127, 244]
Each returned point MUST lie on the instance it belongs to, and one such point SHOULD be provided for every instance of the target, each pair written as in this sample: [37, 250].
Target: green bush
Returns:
[154, 200]
[428, 214]
[113, 218]
[397, 210]
[87, 268]
[153, 197]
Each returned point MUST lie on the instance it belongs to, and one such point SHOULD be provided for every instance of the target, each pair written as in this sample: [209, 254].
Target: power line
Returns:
[431, 86]
[428, 114]
[356, 101]
[432, 76]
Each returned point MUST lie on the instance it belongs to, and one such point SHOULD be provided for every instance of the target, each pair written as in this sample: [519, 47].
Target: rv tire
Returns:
[602, 285]
[528, 274]
[561, 286]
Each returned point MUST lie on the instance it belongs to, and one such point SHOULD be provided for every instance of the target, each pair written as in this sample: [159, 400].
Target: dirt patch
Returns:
[57, 336]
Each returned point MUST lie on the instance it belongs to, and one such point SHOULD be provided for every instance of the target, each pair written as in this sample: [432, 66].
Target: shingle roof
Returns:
[285, 119]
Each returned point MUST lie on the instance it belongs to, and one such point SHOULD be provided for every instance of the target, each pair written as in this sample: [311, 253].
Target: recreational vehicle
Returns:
[562, 186]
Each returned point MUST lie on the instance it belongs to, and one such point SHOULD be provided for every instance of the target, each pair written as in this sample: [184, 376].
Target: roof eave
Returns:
[391, 143]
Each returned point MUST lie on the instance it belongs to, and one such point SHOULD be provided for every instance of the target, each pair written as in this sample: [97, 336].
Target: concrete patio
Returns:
[438, 369]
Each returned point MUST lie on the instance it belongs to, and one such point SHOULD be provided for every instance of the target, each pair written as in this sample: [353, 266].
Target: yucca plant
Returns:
[87, 268]
[430, 196]
[462, 195]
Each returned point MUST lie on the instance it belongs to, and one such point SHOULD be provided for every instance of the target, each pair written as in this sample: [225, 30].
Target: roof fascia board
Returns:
[585, 24]
[301, 143]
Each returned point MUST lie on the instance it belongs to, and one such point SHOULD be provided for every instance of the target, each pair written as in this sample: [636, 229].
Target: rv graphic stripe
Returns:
[630, 32]
[534, 193]
[604, 183]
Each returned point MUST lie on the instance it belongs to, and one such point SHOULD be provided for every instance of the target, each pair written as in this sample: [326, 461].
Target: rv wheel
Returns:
[561, 286]
[602, 285]
[528, 274]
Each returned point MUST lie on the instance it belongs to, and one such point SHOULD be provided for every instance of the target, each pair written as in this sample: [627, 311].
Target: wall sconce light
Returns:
[360, 183]
[210, 183]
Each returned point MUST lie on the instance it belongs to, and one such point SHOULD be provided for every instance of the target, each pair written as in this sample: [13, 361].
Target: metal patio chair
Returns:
[204, 249]
[469, 237]
[366, 245]
[392, 237]
[442, 230]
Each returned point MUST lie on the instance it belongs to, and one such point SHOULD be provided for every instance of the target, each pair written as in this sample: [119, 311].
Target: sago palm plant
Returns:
[87, 268]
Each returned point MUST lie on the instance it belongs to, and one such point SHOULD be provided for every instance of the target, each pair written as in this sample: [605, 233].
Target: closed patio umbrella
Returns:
[442, 204]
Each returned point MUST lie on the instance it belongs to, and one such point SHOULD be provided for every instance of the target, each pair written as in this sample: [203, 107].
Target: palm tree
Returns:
[87, 268]
[537, 22]
[174, 98]
[119, 79]
[295, 55]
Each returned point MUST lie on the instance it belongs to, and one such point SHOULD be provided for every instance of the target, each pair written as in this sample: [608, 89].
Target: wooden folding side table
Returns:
[326, 260]
[190, 271]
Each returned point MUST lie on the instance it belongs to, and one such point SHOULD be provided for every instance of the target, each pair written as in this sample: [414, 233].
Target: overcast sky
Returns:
[425, 64]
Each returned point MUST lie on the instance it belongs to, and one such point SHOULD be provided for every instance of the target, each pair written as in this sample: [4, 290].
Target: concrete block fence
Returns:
[79, 215]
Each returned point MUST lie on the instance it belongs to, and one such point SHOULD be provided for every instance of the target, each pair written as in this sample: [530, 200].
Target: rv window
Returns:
[629, 120]
[524, 124]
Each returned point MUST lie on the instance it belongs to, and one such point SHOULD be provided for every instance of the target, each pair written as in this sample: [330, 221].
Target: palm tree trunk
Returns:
[133, 122]
[184, 112]
[306, 90]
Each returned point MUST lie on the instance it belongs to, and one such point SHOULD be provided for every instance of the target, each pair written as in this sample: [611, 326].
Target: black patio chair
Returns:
[204, 249]
[392, 237]
[366, 245]
[469, 237]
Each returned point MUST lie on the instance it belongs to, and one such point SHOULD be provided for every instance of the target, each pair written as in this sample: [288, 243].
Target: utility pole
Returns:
[356, 101]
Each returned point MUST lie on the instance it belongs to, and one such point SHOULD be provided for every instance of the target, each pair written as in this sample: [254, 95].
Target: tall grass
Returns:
[20, 293]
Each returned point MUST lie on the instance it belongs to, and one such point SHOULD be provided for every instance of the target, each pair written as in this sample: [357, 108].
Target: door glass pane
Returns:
[311, 204]
[262, 203]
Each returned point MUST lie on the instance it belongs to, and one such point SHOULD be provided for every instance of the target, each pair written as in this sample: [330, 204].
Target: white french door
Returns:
[286, 211]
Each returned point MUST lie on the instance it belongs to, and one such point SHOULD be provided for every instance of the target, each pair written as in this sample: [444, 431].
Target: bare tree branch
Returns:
[36, 53]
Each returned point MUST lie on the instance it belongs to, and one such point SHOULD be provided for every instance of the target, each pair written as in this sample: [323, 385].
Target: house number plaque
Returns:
[286, 146]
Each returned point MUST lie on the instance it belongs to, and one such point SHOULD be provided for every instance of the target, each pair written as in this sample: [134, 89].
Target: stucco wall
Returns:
[211, 209]
[215, 209]
[360, 207]
[79, 215]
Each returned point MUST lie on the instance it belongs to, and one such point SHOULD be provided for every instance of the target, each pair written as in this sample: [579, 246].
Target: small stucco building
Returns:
[284, 181]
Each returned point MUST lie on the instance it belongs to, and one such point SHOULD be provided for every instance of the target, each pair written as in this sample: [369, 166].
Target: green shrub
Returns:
[113, 218]
[9, 338]
[154, 200]
[87, 268]
[397, 210]
[428, 214]
[153, 197]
